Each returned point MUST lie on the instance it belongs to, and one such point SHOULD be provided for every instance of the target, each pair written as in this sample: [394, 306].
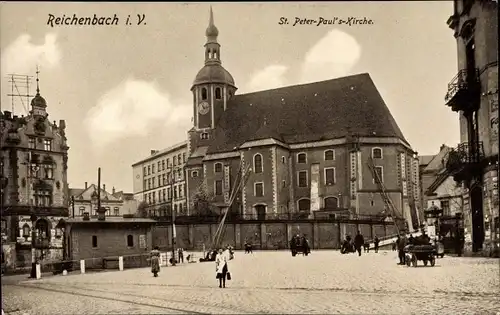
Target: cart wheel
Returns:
[414, 260]
[433, 261]
[425, 262]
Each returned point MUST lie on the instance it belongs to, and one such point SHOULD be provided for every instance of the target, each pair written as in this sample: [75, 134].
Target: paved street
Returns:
[271, 282]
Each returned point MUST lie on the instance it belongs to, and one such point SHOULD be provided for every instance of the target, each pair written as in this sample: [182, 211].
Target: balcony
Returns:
[464, 91]
[465, 161]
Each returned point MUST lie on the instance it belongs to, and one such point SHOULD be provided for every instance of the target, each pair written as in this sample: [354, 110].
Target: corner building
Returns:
[308, 146]
[473, 94]
[34, 197]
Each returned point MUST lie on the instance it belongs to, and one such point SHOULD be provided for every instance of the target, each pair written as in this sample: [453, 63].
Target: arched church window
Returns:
[218, 94]
[204, 94]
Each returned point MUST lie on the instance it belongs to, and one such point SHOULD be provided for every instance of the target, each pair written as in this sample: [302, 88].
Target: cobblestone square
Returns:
[325, 282]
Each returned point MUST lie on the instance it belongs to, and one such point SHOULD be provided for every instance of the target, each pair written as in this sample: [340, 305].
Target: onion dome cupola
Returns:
[38, 103]
[213, 71]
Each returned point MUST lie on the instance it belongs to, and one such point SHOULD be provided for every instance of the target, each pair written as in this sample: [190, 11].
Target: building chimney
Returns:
[7, 114]
[86, 216]
[103, 187]
[86, 185]
[113, 191]
[442, 147]
[153, 152]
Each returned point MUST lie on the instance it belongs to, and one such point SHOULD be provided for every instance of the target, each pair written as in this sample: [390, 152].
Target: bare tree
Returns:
[203, 202]
[142, 211]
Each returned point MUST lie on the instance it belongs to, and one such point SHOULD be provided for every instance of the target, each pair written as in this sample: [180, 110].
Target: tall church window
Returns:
[257, 163]
[204, 94]
[218, 94]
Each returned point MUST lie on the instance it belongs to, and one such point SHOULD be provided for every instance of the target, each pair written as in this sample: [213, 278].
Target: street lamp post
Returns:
[32, 171]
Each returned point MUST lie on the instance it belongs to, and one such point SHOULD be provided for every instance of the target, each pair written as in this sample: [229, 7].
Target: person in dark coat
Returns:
[180, 253]
[411, 240]
[359, 241]
[401, 245]
[376, 241]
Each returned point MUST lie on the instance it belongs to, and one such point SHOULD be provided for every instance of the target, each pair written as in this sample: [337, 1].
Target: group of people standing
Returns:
[358, 244]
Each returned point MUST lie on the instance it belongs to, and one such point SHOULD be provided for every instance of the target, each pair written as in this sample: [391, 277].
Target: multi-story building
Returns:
[159, 181]
[473, 93]
[34, 162]
[116, 204]
[309, 149]
[430, 167]
[438, 187]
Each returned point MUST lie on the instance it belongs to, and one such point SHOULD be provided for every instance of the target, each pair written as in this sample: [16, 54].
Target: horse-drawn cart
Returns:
[425, 253]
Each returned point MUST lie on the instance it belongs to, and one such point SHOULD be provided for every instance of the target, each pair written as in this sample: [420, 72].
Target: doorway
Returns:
[261, 212]
[476, 201]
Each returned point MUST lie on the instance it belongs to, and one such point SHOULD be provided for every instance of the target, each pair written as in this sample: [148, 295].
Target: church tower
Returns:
[212, 88]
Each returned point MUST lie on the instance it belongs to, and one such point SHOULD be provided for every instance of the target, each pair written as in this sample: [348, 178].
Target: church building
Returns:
[311, 150]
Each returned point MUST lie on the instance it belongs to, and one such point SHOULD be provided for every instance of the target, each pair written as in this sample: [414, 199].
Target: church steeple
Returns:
[38, 103]
[212, 47]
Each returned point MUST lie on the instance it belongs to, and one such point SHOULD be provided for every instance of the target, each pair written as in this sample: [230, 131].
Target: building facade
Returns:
[439, 189]
[473, 93]
[307, 150]
[159, 181]
[90, 239]
[116, 204]
[34, 162]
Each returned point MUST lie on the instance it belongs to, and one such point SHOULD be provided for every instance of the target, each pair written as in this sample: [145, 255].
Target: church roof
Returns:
[303, 113]
[213, 73]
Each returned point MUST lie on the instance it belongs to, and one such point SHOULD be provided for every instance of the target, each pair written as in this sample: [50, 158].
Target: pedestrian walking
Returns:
[180, 253]
[376, 242]
[401, 245]
[221, 268]
[155, 261]
[359, 241]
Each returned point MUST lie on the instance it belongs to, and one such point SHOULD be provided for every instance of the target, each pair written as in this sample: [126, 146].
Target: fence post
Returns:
[38, 271]
[82, 266]
[120, 263]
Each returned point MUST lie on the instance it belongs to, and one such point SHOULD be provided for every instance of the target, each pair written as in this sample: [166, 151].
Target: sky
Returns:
[125, 89]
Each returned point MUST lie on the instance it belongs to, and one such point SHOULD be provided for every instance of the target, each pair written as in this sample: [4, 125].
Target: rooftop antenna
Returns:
[37, 85]
[19, 90]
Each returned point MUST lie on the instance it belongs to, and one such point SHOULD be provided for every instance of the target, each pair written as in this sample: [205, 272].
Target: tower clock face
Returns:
[203, 108]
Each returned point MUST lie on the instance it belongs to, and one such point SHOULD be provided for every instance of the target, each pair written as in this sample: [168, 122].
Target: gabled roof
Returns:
[303, 113]
[86, 194]
[424, 160]
[436, 183]
[123, 195]
[437, 162]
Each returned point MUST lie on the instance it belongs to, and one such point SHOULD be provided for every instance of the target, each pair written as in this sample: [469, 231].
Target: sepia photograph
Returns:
[333, 157]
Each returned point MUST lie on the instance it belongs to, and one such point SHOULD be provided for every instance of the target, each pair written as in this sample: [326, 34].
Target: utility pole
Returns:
[172, 181]
[98, 190]
[73, 206]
